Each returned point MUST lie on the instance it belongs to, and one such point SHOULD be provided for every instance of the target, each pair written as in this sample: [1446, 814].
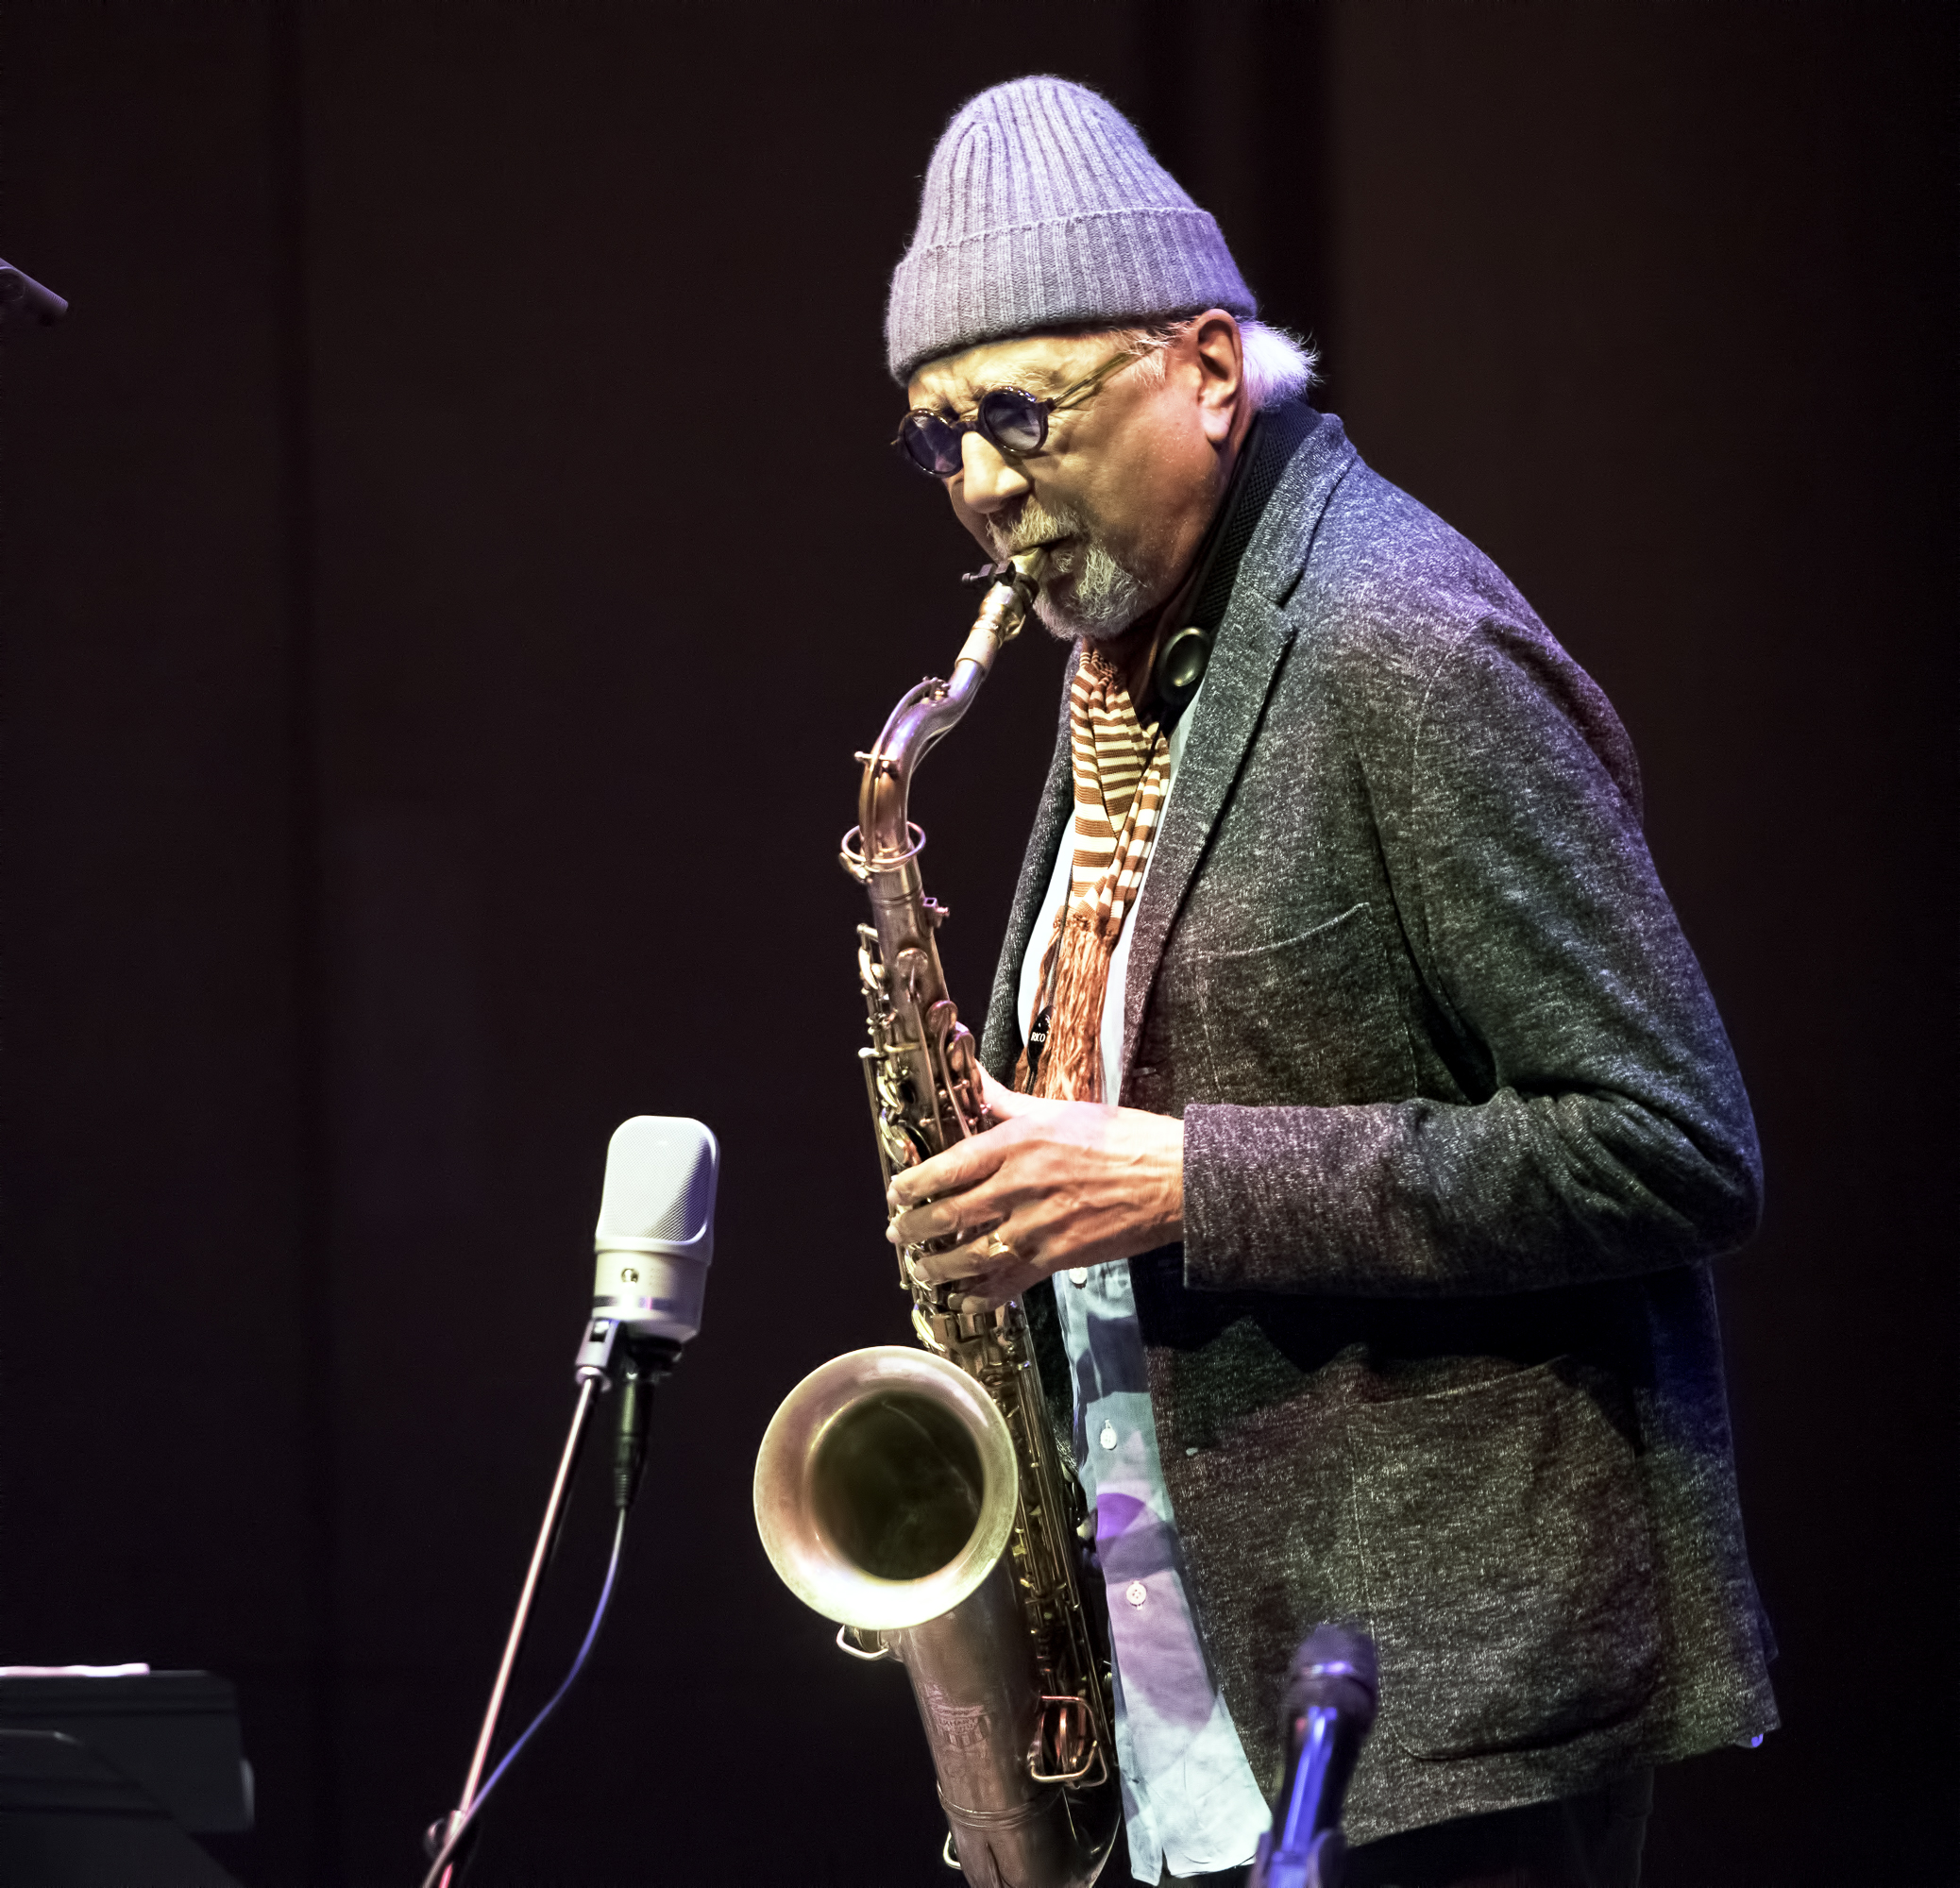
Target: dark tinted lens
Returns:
[933, 446]
[1012, 420]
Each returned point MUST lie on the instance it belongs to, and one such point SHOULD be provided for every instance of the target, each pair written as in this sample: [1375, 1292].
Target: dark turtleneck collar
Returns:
[1268, 447]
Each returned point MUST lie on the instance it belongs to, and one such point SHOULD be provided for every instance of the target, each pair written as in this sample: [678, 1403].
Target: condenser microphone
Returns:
[656, 1225]
[1325, 1712]
[652, 1246]
[655, 1237]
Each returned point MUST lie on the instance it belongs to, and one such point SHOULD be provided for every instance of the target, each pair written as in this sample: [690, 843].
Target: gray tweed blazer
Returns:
[1463, 1129]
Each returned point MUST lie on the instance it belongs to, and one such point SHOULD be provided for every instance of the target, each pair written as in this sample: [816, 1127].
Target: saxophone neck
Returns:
[933, 707]
[1010, 596]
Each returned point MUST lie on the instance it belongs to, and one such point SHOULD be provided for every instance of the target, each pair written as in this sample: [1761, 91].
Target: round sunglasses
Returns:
[1013, 422]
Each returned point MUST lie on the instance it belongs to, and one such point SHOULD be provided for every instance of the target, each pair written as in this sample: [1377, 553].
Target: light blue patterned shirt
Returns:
[1189, 1800]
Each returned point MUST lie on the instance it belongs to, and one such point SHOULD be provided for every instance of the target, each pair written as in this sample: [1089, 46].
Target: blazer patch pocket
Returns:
[1507, 1558]
[1311, 1022]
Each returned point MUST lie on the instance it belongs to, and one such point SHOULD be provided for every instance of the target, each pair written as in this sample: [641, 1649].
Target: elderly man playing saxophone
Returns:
[1366, 1123]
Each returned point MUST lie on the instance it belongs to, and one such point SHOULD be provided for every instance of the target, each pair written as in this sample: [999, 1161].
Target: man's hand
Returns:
[1057, 1183]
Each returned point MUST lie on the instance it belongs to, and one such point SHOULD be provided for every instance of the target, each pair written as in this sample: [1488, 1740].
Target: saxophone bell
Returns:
[885, 1488]
[886, 1495]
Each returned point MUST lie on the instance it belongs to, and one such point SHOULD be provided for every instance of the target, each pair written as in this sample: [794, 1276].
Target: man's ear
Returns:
[1219, 352]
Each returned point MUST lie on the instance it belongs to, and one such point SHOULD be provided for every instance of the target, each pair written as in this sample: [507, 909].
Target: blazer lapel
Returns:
[1252, 639]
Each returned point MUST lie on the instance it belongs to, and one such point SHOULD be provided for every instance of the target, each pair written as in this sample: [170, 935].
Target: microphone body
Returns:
[651, 1249]
[1325, 1714]
[655, 1236]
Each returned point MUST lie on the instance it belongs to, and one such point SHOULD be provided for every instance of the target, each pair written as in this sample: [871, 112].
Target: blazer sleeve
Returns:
[1612, 1134]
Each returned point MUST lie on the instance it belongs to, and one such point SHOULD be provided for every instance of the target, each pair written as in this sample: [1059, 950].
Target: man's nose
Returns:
[989, 480]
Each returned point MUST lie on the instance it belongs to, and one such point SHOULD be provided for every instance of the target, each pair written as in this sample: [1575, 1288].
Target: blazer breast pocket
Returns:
[1309, 1021]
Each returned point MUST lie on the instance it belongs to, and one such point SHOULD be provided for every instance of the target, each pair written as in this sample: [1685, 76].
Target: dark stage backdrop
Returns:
[452, 555]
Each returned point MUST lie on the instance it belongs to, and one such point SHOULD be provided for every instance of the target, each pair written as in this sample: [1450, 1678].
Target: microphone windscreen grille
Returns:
[660, 1179]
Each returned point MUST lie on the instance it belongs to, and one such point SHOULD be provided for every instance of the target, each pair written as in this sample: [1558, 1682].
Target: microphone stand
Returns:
[647, 1360]
[595, 1377]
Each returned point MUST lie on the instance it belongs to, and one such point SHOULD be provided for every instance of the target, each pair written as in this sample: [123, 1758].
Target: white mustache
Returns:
[1032, 525]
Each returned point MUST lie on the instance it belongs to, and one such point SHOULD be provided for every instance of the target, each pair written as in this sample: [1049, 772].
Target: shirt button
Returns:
[1079, 1275]
[1135, 1592]
[1107, 1438]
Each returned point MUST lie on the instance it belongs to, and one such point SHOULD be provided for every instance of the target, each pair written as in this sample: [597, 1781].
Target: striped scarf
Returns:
[1119, 766]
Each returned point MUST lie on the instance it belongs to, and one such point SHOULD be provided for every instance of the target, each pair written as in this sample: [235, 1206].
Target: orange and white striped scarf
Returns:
[1119, 766]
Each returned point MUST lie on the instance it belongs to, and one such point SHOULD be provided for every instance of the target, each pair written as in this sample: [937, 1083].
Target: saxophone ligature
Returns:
[917, 1497]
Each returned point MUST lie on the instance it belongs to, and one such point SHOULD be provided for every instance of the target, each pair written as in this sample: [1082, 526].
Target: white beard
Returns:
[1088, 593]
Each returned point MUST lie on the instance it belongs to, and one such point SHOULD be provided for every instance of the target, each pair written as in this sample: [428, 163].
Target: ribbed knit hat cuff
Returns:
[1125, 267]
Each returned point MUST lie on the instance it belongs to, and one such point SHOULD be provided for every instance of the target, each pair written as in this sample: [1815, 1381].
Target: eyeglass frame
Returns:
[1073, 394]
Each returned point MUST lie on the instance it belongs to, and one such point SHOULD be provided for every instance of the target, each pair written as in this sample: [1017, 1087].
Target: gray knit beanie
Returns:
[1043, 209]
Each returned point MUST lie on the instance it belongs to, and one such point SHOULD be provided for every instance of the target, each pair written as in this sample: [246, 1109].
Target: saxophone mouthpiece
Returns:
[1024, 567]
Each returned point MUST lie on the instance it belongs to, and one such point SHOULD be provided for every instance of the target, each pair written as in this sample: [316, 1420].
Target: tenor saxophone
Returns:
[916, 1496]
